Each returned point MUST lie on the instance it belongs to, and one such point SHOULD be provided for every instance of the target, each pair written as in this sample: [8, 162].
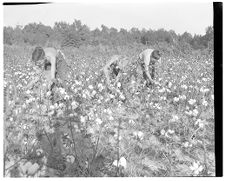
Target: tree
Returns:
[7, 35]
[186, 37]
[135, 34]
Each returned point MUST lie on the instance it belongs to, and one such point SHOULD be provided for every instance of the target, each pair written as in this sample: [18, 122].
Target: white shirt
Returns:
[145, 56]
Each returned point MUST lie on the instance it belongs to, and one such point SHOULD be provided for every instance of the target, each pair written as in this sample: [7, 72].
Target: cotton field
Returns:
[92, 129]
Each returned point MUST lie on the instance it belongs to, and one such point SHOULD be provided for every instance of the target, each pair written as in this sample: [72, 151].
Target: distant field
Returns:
[164, 131]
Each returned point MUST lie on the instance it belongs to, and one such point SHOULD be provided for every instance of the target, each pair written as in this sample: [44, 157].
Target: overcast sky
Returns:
[180, 17]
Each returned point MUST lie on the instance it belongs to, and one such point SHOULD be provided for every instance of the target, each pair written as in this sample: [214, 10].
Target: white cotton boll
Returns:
[62, 91]
[131, 122]
[111, 118]
[140, 135]
[176, 99]
[23, 167]
[162, 90]
[26, 166]
[84, 96]
[201, 123]
[122, 96]
[204, 103]
[201, 89]
[115, 163]
[133, 82]
[186, 144]
[33, 169]
[135, 133]
[119, 138]
[28, 92]
[51, 107]
[82, 119]
[122, 162]
[189, 113]
[111, 96]
[59, 113]
[48, 93]
[90, 87]
[163, 98]
[184, 86]
[162, 132]
[109, 111]
[70, 158]
[27, 101]
[93, 93]
[212, 96]
[170, 131]
[74, 105]
[90, 130]
[170, 85]
[204, 79]
[55, 105]
[98, 121]
[66, 97]
[196, 168]
[198, 121]
[61, 105]
[100, 86]
[175, 118]
[192, 101]
[195, 112]
[183, 97]
[39, 152]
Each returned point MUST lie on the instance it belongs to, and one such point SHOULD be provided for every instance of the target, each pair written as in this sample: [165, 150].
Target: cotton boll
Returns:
[122, 162]
[33, 169]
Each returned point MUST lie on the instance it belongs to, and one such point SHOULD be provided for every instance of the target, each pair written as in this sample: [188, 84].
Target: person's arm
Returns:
[146, 63]
[106, 73]
[52, 59]
[118, 76]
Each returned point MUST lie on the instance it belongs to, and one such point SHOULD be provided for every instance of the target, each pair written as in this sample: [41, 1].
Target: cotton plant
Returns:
[201, 123]
[29, 169]
[196, 168]
[96, 111]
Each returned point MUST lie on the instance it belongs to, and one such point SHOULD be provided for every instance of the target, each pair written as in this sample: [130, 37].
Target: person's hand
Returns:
[54, 81]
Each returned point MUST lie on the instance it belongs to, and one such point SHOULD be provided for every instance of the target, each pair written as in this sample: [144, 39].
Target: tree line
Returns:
[78, 34]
